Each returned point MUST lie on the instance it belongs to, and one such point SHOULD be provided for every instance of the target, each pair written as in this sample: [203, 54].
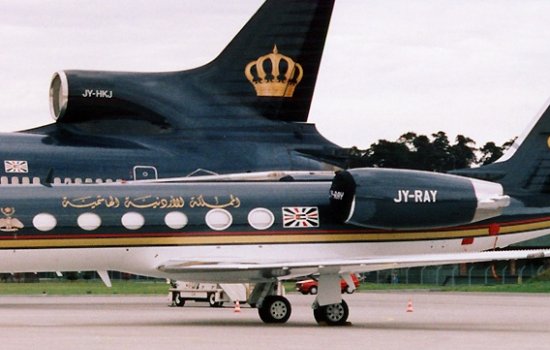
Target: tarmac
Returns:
[378, 320]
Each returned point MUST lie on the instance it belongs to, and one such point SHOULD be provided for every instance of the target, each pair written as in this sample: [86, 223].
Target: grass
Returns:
[527, 287]
[82, 287]
[132, 287]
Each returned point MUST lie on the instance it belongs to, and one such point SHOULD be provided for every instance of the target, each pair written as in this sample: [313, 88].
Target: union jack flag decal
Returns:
[300, 217]
[16, 166]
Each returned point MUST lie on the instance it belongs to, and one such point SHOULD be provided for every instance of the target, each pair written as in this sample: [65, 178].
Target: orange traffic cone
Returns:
[410, 305]
[237, 307]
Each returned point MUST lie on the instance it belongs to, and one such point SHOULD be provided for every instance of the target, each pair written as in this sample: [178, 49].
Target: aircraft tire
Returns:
[275, 309]
[178, 300]
[332, 315]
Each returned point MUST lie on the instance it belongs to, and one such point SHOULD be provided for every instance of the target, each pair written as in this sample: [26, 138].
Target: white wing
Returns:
[240, 271]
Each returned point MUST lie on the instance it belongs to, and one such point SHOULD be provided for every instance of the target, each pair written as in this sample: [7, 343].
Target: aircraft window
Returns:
[176, 220]
[219, 219]
[4, 180]
[57, 180]
[77, 180]
[44, 222]
[36, 180]
[133, 220]
[14, 180]
[88, 221]
[261, 218]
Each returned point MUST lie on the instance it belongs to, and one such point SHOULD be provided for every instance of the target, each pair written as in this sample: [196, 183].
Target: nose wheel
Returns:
[275, 309]
[332, 315]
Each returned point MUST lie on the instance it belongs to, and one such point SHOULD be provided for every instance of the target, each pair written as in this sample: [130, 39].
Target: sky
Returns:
[471, 67]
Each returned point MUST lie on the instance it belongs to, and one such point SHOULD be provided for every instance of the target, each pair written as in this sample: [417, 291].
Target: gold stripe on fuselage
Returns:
[279, 237]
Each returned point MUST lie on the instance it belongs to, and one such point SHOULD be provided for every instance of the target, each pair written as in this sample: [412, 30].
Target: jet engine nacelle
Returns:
[80, 96]
[409, 200]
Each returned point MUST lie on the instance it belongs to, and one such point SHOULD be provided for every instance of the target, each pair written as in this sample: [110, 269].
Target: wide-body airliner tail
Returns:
[243, 111]
[267, 72]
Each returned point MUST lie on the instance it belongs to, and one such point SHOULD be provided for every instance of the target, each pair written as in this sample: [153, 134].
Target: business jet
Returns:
[267, 209]
[264, 228]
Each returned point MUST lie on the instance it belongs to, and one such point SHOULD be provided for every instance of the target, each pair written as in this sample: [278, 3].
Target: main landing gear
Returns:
[275, 308]
[331, 315]
[272, 306]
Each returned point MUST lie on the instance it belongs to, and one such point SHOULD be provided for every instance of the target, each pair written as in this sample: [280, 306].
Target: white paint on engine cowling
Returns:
[491, 199]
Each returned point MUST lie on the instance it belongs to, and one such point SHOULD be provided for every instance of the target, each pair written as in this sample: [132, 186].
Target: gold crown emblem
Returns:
[277, 78]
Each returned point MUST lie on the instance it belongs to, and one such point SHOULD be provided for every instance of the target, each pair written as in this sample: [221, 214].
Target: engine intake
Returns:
[409, 200]
[81, 96]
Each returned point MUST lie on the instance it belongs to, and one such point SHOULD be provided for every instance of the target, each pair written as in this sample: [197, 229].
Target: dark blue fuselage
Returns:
[68, 154]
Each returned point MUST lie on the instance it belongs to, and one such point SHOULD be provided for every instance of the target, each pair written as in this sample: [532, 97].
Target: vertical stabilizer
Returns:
[526, 166]
[270, 67]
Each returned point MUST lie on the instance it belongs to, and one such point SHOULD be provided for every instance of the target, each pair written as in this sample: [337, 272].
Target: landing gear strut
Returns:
[275, 309]
[332, 315]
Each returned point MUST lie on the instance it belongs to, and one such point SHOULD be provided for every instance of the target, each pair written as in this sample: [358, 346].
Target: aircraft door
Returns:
[145, 172]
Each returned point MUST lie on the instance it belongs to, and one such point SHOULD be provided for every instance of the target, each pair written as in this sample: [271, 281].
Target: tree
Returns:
[386, 154]
[490, 152]
[424, 153]
[462, 153]
[413, 151]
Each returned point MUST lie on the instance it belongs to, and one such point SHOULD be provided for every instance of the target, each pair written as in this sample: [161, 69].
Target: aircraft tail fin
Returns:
[526, 165]
[271, 65]
[267, 72]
